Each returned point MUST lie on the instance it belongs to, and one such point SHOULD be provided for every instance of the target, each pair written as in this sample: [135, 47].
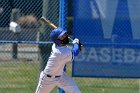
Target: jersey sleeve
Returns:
[75, 49]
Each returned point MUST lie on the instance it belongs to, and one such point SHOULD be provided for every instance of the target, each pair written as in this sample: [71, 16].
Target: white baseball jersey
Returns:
[60, 55]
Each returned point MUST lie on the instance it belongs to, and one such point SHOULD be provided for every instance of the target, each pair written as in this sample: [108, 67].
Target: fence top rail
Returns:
[24, 42]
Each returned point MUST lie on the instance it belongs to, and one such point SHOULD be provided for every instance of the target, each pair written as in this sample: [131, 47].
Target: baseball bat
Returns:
[47, 22]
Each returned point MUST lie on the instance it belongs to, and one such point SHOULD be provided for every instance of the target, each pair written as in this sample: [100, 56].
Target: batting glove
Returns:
[76, 40]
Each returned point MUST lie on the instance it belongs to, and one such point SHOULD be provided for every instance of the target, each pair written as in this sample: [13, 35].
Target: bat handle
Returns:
[70, 38]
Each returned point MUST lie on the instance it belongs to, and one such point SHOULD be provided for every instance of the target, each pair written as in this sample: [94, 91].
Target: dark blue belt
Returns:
[52, 76]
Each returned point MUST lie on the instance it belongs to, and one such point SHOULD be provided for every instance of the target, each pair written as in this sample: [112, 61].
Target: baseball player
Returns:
[53, 74]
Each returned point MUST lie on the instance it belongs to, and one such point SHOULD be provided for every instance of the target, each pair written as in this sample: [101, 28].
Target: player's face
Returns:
[63, 37]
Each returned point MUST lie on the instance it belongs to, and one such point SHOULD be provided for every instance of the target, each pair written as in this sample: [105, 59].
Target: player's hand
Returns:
[76, 40]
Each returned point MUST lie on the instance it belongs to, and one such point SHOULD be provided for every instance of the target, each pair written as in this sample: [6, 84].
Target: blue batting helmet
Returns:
[55, 34]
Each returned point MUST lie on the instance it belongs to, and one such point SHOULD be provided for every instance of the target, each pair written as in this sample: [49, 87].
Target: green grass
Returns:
[100, 85]
[18, 77]
[22, 77]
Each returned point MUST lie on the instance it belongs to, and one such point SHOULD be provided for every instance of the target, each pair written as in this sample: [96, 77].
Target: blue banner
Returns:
[109, 30]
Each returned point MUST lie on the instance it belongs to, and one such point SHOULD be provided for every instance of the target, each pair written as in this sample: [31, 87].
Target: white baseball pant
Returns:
[46, 84]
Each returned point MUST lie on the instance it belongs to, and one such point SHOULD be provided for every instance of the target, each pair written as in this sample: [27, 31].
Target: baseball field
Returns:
[22, 77]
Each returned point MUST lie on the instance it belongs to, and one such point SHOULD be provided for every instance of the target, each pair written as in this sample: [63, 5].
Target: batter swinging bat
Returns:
[47, 22]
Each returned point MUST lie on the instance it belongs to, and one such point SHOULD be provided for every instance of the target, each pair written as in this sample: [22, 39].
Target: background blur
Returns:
[24, 51]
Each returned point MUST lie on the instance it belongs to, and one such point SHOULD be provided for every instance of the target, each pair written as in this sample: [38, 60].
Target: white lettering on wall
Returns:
[104, 55]
[108, 55]
[129, 56]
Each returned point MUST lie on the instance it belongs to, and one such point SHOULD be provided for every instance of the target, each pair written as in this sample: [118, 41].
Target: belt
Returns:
[52, 76]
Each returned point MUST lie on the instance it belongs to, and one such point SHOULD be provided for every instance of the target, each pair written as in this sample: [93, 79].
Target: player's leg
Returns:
[59, 89]
[44, 89]
[68, 84]
[45, 84]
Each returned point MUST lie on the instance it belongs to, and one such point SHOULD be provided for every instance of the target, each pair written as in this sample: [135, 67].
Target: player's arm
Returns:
[75, 49]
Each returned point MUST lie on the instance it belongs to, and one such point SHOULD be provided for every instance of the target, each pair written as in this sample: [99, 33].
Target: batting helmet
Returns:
[55, 34]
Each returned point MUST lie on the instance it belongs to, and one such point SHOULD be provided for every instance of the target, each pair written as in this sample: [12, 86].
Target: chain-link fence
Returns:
[24, 51]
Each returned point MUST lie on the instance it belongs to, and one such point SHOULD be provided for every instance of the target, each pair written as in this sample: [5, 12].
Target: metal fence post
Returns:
[50, 12]
[63, 23]
[45, 49]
